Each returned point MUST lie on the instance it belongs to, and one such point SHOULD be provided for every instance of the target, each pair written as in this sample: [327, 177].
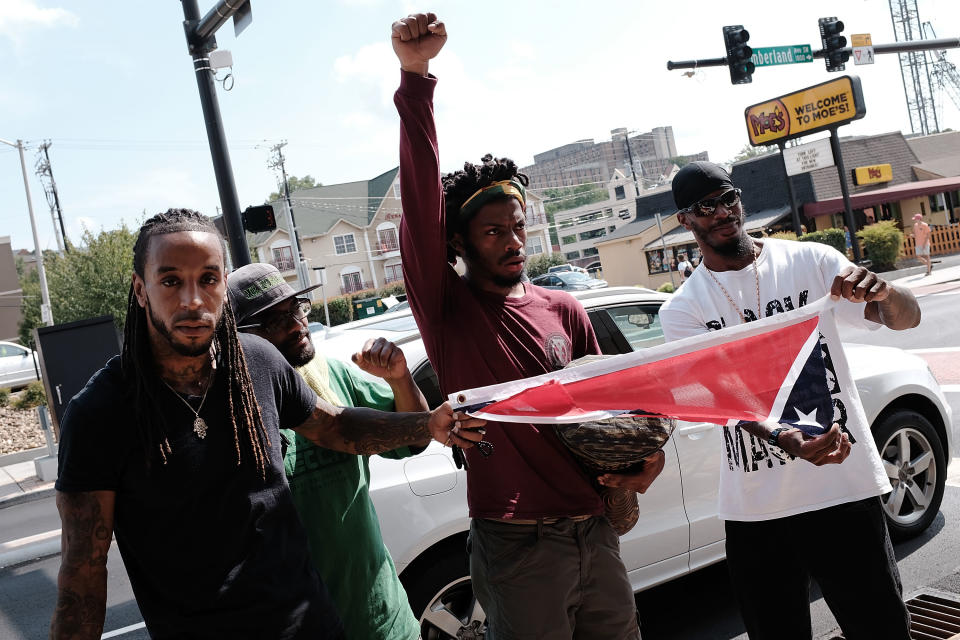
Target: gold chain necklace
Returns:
[199, 426]
[756, 275]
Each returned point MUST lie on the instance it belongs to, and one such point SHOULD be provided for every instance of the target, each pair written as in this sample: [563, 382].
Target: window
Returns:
[534, 246]
[612, 228]
[283, 258]
[572, 255]
[393, 273]
[8, 350]
[656, 263]
[344, 244]
[568, 239]
[352, 282]
[594, 233]
[619, 192]
[624, 214]
[387, 238]
[396, 189]
[639, 324]
[937, 202]
[590, 251]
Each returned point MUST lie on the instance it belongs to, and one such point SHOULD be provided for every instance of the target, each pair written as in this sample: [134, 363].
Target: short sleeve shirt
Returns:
[211, 548]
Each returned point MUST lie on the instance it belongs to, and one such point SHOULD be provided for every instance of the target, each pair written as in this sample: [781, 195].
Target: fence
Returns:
[943, 241]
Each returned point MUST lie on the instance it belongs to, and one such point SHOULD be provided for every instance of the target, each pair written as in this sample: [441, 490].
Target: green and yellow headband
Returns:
[512, 188]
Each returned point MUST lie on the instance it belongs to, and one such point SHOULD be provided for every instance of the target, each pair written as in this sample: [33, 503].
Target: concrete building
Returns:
[10, 292]
[587, 161]
[351, 230]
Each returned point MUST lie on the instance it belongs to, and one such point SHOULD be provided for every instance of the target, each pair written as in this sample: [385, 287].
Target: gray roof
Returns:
[318, 209]
[752, 222]
[886, 148]
[632, 228]
[936, 146]
[943, 167]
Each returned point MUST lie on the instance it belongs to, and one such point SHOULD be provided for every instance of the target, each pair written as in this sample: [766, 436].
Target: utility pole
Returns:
[45, 170]
[200, 42]
[633, 171]
[46, 311]
[277, 161]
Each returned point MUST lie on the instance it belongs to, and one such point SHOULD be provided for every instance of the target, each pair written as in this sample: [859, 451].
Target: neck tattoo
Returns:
[756, 275]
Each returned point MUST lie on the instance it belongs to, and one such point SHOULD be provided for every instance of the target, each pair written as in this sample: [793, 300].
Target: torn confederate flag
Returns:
[772, 369]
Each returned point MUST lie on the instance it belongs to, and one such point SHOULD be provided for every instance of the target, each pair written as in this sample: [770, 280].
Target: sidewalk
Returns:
[19, 484]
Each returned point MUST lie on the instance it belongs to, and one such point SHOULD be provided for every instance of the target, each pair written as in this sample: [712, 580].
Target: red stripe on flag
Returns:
[737, 380]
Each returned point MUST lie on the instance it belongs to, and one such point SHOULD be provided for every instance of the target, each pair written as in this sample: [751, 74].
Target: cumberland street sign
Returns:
[822, 106]
[793, 54]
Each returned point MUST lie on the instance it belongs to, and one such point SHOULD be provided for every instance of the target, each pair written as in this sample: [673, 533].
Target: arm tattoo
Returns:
[363, 431]
[82, 583]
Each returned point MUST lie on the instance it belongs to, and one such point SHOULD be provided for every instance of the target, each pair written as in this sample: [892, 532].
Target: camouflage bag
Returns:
[615, 445]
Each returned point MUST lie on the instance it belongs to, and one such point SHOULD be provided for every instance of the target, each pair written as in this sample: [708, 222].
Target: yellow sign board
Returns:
[872, 174]
[860, 40]
[813, 109]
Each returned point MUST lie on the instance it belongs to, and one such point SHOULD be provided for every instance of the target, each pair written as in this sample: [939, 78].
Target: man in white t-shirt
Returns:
[684, 267]
[796, 507]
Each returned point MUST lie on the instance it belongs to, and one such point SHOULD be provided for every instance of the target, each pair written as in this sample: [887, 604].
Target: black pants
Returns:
[845, 548]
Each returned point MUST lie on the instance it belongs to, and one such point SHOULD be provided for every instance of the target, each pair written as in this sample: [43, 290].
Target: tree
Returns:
[749, 151]
[295, 184]
[538, 265]
[91, 280]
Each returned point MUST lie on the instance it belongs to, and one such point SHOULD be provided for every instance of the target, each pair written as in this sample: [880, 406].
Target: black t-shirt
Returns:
[211, 549]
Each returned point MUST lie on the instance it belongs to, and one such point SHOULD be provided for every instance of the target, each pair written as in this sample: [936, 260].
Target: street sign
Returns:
[808, 157]
[46, 315]
[822, 106]
[863, 55]
[860, 40]
[872, 174]
[792, 54]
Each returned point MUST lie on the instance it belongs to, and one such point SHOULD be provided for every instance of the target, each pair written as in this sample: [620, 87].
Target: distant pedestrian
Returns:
[684, 267]
[921, 236]
[848, 240]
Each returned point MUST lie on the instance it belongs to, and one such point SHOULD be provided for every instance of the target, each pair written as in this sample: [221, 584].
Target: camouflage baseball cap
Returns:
[256, 287]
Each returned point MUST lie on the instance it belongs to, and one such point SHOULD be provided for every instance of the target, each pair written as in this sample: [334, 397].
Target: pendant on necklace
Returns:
[200, 428]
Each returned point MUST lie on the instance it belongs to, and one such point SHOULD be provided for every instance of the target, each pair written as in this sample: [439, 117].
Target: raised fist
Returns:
[416, 39]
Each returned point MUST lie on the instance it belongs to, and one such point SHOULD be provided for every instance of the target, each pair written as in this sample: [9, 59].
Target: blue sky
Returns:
[110, 83]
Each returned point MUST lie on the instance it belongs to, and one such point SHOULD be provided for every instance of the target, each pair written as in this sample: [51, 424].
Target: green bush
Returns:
[538, 265]
[666, 287]
[4, 397]
[783, 235]
[392, 289]
[341, 309]
[832, 237]
[32, 396]
[881, 244]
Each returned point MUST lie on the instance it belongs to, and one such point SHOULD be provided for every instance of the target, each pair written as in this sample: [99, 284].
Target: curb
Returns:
[27, 496]
[29, 548]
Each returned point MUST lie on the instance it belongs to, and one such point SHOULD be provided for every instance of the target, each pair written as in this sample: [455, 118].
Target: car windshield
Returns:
[573, 276]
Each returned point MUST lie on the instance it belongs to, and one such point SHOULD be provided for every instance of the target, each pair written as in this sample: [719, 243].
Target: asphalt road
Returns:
[698, 607]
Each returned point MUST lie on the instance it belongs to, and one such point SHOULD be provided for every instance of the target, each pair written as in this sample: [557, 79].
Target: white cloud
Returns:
[16, 15]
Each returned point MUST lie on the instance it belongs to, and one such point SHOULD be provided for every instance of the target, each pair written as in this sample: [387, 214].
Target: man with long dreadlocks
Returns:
[330, 488]
[175, 446]
[544, 562]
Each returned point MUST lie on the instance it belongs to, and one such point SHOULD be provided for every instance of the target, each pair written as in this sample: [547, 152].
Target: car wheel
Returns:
[442, 600]
[914, 461]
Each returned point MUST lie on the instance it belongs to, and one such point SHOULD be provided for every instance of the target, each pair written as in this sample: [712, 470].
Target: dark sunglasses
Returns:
[708, 206]
[277, 321]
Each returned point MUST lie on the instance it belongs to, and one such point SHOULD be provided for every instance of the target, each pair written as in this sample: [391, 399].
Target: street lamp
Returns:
[46, 311]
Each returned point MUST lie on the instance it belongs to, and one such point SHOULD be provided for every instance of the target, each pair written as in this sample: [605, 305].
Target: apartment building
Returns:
[351, 231]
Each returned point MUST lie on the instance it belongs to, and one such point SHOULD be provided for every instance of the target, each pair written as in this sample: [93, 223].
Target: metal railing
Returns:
[284, 264]
[354, 287]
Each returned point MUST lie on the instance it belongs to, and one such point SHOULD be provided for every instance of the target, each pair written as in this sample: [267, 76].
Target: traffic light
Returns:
[257, 219]
[833, 44]
[738, 54]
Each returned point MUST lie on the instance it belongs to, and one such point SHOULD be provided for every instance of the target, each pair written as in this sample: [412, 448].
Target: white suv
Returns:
[422, 502]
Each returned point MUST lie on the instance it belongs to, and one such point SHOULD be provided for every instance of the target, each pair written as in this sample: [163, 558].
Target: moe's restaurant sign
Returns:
[813, 109]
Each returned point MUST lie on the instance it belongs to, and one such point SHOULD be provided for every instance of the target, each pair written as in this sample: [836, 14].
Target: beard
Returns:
[298, 356]
[501, 281]
[736, 247]
[189, 349]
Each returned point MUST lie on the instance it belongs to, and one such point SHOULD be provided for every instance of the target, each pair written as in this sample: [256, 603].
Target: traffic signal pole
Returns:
[200, 40]
[847, 210]
[893, 47]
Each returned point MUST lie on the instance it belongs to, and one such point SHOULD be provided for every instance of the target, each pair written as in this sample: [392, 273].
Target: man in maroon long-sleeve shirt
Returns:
[544, 561]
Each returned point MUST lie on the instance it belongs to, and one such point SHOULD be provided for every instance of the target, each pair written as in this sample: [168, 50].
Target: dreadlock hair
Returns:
[249, 436]
[460, 185]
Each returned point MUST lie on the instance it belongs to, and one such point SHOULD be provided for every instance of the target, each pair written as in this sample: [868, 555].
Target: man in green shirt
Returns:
[330, 488]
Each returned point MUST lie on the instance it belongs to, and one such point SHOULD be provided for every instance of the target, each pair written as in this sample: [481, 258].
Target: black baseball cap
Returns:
[256, 287]
[697, 180]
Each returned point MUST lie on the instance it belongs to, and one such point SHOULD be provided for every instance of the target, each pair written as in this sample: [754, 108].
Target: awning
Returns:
[880, 196]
